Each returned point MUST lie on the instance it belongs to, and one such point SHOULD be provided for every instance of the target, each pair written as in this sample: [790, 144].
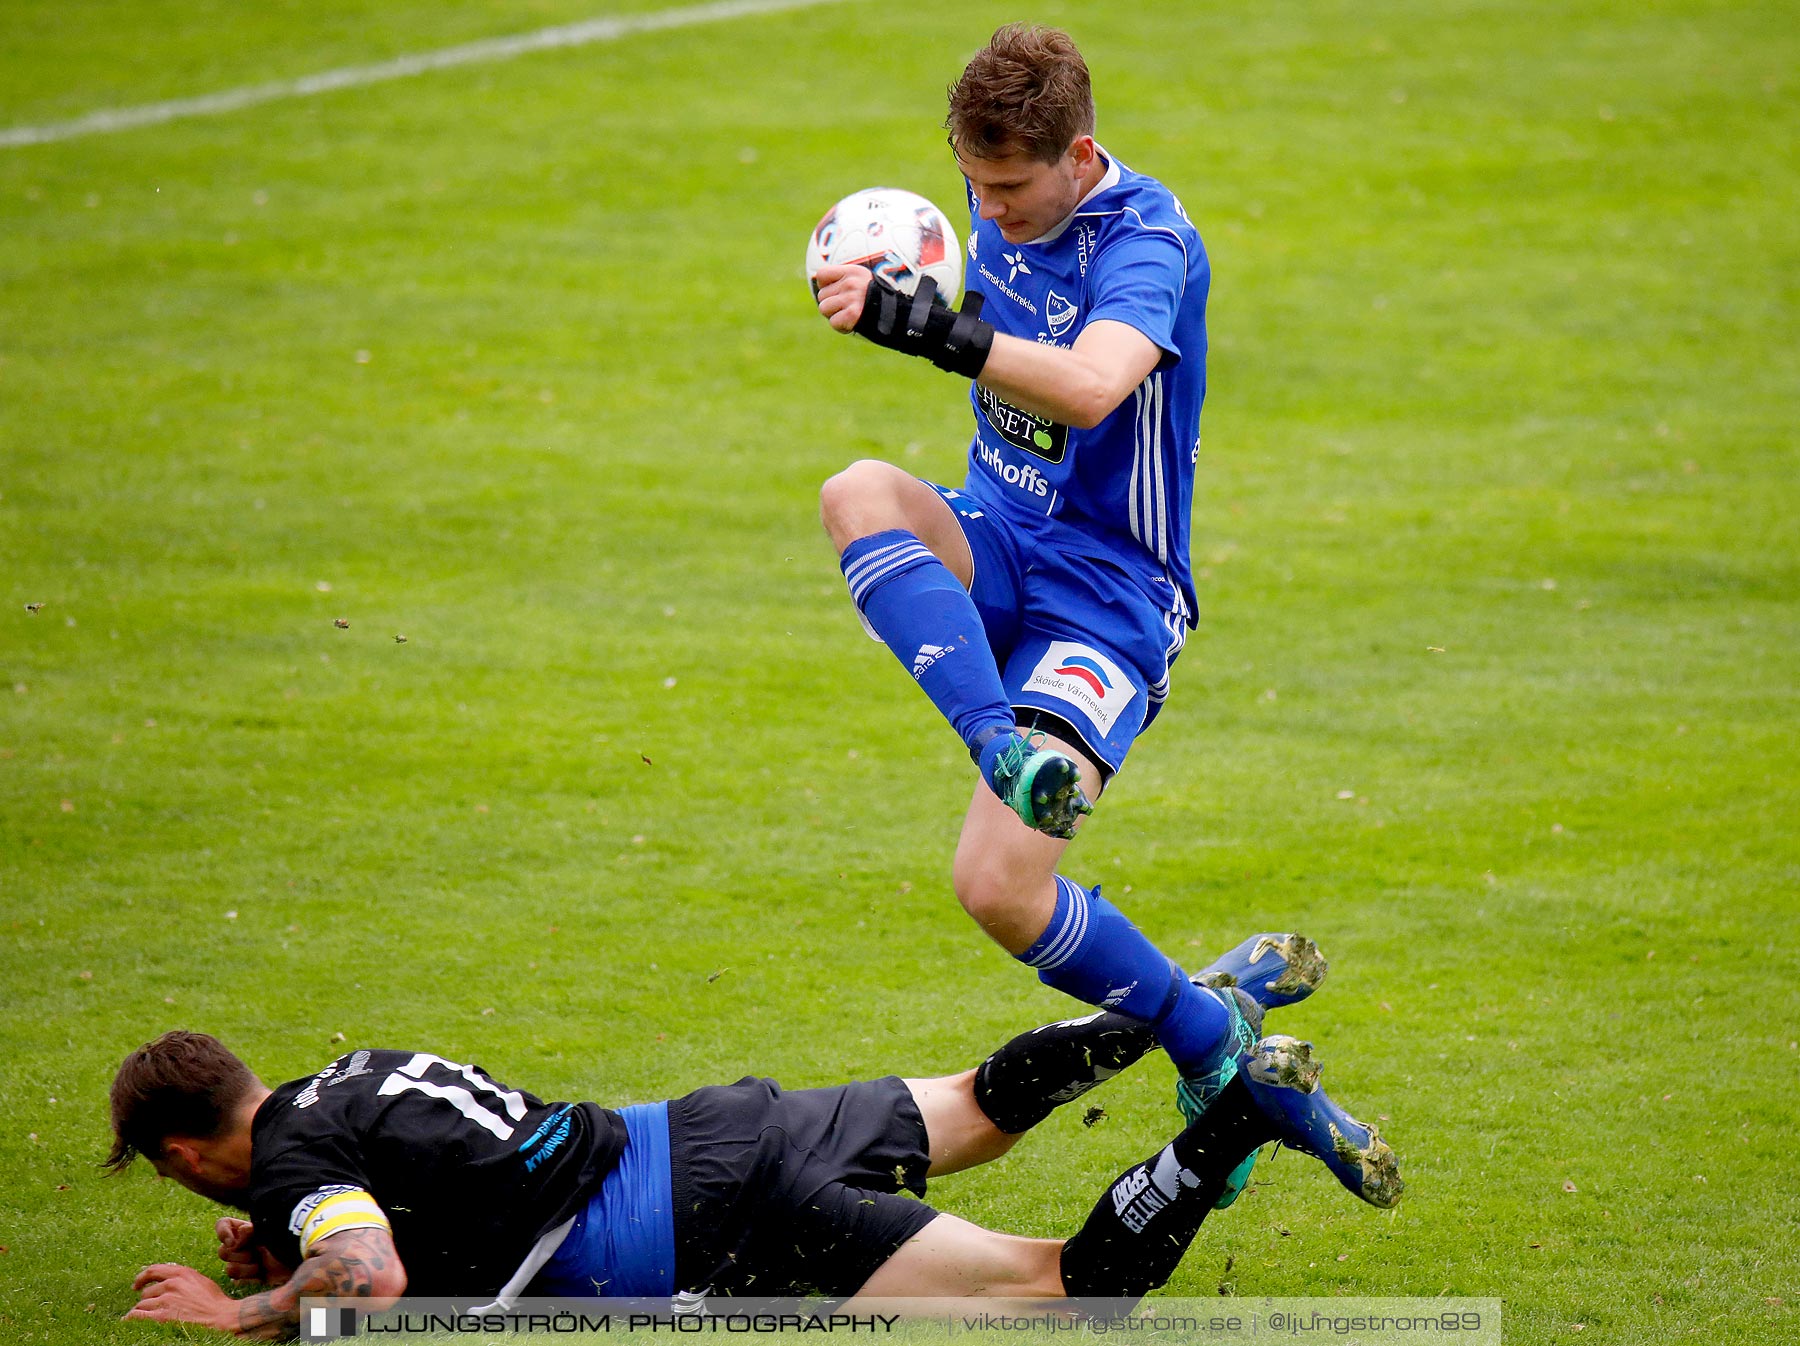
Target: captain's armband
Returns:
[332, 1210]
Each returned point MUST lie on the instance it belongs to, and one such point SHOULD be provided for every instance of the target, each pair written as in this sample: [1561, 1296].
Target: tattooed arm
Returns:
[358, 1263]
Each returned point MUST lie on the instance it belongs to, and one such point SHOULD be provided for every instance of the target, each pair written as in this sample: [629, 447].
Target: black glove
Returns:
[921, 324]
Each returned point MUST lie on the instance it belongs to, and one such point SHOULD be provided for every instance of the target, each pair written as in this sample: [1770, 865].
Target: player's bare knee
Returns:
[988, 893]
[860, 500]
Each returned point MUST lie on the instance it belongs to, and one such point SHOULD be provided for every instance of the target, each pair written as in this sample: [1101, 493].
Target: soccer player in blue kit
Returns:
[1041, 604]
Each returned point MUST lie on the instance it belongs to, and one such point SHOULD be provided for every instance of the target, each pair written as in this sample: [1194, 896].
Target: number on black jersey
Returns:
[483, 1104]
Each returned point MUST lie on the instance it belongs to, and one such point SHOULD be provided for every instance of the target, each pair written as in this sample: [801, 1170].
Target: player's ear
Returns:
[180, 1157]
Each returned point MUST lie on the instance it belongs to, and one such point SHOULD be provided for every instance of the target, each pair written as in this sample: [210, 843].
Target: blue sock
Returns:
[1092, 952]
[929, 621]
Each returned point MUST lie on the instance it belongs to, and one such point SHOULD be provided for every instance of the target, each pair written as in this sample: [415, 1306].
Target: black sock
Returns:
[1139, 1231]
[1037, 1072]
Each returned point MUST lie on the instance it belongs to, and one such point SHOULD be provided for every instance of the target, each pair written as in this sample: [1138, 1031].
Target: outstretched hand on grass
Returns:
[171, 1293]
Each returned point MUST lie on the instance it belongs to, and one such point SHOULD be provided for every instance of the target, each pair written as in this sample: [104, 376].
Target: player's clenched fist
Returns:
[842, 291]
[245, 1259]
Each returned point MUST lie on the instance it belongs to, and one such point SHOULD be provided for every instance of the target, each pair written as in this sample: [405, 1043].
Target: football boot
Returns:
[1038, 784]
[1283, 1078]
[1195, 1093]
[1276, 970]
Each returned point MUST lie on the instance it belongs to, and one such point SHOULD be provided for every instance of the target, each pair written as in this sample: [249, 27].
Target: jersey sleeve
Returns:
[308, 1192]
[332, 1210]
[1140, 280]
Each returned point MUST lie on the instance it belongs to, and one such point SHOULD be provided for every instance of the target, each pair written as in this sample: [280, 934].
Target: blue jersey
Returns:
[1127, 254]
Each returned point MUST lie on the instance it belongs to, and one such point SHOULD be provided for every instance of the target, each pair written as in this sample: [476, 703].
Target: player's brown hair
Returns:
[182, 1084]
[1027, 90]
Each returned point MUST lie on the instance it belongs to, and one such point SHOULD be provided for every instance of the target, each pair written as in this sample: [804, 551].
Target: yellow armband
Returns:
[333, 1212]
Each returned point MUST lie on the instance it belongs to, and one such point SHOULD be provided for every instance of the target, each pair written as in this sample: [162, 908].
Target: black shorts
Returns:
[780, 1194]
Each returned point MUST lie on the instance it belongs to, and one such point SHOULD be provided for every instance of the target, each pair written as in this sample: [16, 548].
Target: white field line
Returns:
[401, 67]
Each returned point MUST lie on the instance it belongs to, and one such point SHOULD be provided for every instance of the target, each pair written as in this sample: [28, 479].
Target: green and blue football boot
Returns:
[1267, 971]
[1039, 784]
[1195, 1093]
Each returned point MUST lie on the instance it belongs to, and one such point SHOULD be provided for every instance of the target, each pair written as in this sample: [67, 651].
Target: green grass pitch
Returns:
[1494, 694]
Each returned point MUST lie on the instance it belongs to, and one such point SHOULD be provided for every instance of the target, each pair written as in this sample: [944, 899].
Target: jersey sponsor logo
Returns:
[971, 245]
[548, 1138]
[544, 1128]
[1084, 246]
[1089, 671]
[1059, 313]
[1086, 679]
[1008, 290]
[1016, 260]
[344, 1068]
[310, 1095]
[1036, 435]
[1023, 475]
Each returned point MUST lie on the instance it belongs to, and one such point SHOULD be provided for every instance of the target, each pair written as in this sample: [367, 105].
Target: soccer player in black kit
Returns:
[397, 1172]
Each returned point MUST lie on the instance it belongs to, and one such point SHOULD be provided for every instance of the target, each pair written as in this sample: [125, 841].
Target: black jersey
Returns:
[468, 1174]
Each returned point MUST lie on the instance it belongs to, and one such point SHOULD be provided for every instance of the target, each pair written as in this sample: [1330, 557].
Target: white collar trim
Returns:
[1110, 178]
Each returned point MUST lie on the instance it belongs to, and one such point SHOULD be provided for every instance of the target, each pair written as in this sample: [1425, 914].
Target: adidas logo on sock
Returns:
[1116, 996]
[926, 657]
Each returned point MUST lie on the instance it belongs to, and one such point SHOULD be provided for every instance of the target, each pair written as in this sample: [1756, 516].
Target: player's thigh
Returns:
[952, 1257]
[835, 1239]
[871, 497]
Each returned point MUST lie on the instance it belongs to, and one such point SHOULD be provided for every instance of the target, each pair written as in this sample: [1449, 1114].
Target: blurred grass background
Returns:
[1494, 692]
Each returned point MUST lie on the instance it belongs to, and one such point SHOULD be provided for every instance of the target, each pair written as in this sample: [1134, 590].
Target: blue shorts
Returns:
[622, 1243]
[1084, 634]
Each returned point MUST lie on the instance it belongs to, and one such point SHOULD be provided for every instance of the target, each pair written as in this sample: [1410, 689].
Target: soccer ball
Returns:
[898, 235]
